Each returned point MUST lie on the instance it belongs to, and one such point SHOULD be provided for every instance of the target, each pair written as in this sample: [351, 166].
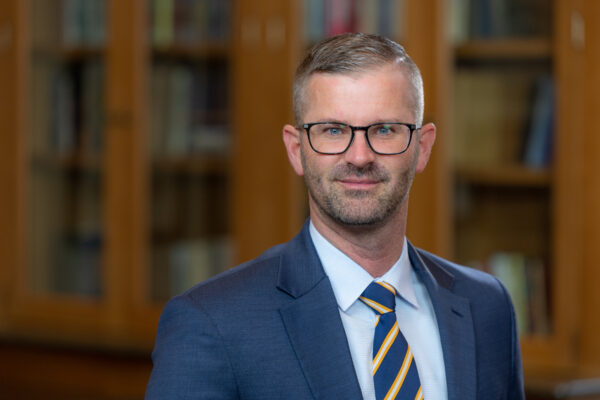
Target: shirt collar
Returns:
[349, 280]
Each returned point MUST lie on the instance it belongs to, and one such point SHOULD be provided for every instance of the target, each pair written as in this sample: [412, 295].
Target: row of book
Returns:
[189, 109]
[488, 19]
[188, 205]
[180, 265]
[526, 281]
[190, 21]
[66, 232]
[503, 118]
[67, 109]
[65, 24]
[77, 266]
[324, 18]
[84, 22]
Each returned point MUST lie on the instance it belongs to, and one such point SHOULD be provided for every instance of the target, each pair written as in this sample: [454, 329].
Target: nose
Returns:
[359, 153]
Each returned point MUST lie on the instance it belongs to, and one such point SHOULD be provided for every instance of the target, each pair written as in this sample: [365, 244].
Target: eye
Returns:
[383, 129]
[332, 129]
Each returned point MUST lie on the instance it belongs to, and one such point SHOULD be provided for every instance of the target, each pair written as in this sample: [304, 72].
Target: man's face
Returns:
[358, 187]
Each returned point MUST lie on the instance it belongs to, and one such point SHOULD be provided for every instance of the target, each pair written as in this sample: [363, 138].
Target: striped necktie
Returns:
[394, 370]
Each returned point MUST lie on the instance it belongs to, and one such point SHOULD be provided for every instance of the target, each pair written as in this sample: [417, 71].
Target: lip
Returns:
[358, 184]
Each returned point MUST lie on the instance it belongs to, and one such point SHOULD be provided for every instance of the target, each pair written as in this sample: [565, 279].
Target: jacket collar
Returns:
[453, 313]
[313, 322]
[317, 334]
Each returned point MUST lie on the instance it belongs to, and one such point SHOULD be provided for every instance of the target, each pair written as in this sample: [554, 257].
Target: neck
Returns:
[374, 247]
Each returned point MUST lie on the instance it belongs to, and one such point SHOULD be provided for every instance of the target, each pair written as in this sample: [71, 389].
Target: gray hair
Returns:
[356, 52]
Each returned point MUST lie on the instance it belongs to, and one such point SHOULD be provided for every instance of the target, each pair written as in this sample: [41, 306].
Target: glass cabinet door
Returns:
[328, 18]
[65, 147]
[189, 140]
[503, 135]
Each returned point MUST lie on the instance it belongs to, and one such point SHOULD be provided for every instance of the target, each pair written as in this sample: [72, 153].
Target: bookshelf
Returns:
[141, 212]
[65, 176]
[122, 164]
[508, 164]
[190, 141]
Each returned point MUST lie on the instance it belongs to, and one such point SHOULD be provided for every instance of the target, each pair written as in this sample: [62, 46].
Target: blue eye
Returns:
[333, 130]
[384, 130]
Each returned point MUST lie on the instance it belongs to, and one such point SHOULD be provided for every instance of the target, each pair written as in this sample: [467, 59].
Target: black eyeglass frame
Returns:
[411, 127]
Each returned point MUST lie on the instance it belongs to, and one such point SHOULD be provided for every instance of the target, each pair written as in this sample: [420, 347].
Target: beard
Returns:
[358, 207]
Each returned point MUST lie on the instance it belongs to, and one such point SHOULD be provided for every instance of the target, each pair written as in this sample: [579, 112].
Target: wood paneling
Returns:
[266, 194]
[430, 206]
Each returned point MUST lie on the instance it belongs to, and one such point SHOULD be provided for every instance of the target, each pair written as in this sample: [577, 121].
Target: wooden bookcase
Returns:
[503, 172]
[521, 206]
[225, 183]
[106, 212]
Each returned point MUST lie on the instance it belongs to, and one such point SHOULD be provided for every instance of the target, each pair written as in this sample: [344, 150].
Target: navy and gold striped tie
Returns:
[394, 370]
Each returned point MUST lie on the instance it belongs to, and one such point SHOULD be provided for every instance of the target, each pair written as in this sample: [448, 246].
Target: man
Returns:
[303, 321]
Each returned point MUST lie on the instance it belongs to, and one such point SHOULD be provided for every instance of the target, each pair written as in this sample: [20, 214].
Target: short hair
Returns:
[354, 53]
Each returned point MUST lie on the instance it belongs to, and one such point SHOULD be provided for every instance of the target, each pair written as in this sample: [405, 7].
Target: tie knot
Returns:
[380, 296]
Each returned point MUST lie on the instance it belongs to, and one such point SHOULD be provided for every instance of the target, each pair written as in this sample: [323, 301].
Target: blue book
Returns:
[539, 139]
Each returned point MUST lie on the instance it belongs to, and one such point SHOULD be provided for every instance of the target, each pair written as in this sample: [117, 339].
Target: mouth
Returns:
[358, 184]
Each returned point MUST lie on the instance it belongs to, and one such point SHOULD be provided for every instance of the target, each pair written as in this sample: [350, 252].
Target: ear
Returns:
[426, 137]
[292, 142]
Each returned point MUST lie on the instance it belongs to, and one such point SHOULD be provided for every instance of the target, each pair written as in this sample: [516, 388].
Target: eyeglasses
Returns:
[386, 138]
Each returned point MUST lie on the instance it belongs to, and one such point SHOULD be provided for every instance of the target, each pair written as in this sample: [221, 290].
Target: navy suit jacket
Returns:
[271, 329]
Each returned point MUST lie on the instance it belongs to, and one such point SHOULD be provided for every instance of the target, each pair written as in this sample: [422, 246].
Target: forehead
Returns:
[370, 95]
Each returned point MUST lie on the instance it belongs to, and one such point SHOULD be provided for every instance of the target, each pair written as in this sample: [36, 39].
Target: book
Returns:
[160, 108]
[538, 296]
[491, 111]
[179, 116]
[492, 19]
[219, 20]
[63, 131]
[340, 16]
[510, 269]
[537, 151]
[42, 81]
[186, 30]
[525, 280]
[92, 107]
[46, 26]
[93, 22]
[72, 23]
[367, 12]
[387, 22]
[162, 22]
[314, 20]
[458, 27]
[194, 260]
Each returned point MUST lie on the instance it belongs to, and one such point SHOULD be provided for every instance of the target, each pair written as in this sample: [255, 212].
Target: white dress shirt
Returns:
[414, 312]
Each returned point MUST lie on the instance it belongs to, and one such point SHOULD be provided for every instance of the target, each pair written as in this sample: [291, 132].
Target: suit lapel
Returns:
[455, 323]
[313, 323]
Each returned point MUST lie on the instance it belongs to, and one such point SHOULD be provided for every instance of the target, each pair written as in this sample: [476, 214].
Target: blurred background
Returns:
[141, 152]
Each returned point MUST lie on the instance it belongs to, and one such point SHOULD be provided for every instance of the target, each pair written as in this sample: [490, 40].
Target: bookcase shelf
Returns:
[203, 165]
[73, 161]
[210, 50]
[505, 49]
[511, 175]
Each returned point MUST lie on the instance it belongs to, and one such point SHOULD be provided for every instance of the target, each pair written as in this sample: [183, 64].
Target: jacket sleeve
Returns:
[189, 357]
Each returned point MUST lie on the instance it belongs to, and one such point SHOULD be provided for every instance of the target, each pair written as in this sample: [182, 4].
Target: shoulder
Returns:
[476, 285]
[253, 279]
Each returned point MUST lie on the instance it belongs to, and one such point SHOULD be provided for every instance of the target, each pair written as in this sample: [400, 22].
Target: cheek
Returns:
[315, 166]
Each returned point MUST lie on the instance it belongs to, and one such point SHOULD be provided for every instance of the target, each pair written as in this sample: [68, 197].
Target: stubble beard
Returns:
[357, 207]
